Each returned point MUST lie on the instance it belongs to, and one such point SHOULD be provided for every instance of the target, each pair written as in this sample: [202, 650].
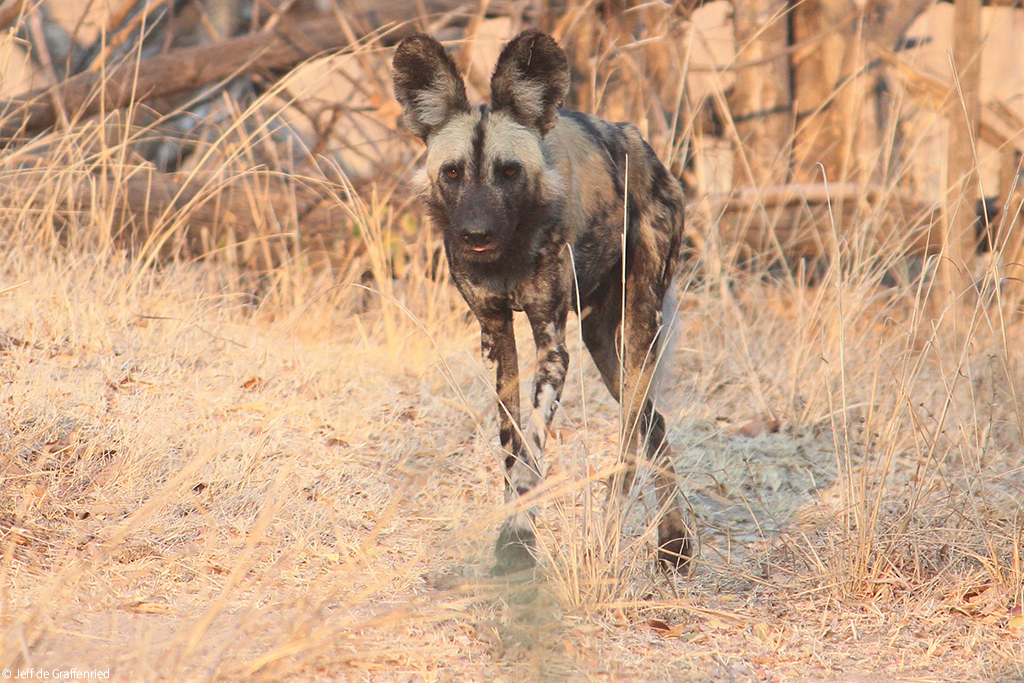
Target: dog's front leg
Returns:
[498, 346]
[525, 471]
[513, 550]
[548, 323]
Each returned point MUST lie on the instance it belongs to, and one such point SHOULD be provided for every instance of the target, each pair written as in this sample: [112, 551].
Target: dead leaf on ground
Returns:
[144, 607]
[665, 630]
[757, 427]
[252, 407]
[762, 632]
[254, 384]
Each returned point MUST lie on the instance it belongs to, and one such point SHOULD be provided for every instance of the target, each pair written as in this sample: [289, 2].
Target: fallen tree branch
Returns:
[176, 71]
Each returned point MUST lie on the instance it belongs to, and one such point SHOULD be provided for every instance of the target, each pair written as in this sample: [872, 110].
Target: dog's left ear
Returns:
[531, 80]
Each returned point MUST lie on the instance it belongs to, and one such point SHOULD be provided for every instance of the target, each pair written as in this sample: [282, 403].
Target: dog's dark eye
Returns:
[510, 171]
[452, 172]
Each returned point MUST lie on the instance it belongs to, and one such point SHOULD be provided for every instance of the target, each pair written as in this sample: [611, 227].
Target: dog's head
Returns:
[487, 176]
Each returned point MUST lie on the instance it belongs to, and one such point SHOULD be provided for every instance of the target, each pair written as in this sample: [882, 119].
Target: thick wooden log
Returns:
[258, 215]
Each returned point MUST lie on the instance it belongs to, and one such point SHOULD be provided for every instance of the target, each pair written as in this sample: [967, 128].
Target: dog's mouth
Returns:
[477, 247]
[481, 253]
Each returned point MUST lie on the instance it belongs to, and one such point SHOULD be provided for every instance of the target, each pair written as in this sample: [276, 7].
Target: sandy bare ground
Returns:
[197, 485]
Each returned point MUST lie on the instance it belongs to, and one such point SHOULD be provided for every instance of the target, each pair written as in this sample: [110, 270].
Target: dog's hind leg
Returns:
[636, 356]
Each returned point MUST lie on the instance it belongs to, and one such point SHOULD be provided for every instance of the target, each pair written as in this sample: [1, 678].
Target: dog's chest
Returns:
[515, 300]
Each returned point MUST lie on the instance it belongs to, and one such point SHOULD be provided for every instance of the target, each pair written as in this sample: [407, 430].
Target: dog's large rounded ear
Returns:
[427, 85]
[531, 80]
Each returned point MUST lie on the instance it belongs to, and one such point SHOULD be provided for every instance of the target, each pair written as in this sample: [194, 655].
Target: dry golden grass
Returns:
[209, 472]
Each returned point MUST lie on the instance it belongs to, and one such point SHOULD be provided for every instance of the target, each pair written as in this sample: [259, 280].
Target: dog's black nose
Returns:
[476, 239]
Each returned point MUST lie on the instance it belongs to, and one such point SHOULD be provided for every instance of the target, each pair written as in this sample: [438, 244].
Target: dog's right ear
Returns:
[427, 84]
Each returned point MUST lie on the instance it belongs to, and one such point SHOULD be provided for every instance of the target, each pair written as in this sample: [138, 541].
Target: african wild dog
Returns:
[530, 200]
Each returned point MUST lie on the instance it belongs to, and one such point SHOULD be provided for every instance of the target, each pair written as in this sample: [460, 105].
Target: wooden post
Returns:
[955, 279]
[827, 31]
[833, 86]
[761, 99]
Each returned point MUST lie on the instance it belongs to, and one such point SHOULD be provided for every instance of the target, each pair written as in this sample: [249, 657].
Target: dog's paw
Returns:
[675, 547]
[514, 551]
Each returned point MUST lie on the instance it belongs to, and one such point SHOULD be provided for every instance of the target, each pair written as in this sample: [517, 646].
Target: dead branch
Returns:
[176, 71]
[1000, 125]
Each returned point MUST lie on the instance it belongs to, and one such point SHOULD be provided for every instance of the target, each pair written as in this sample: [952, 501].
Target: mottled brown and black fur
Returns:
[530, 203]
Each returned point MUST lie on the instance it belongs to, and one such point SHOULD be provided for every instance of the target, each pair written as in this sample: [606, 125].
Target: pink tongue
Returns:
[479, 248]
